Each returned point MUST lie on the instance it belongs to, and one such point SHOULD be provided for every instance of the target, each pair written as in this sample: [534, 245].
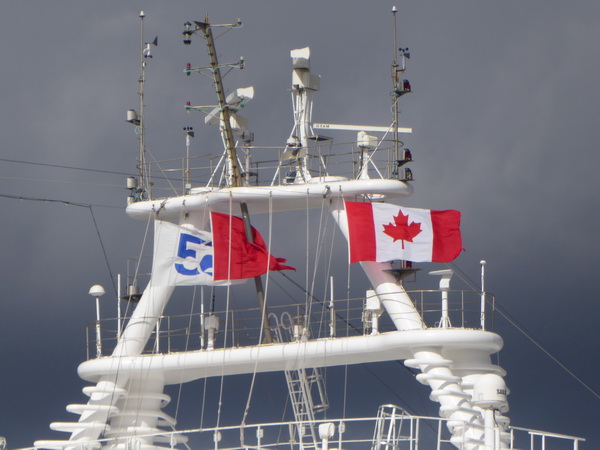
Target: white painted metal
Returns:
[112, 387]
[337, 126]
[97, 291]
[446, 276]
[373, 310]
[187, 366]
[260, 198]
[483, 263]
[490, 430]
[236, 100]
[464, 421]
[304, 84]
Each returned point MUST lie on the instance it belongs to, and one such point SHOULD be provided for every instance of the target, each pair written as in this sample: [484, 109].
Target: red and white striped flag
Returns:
[384, 232]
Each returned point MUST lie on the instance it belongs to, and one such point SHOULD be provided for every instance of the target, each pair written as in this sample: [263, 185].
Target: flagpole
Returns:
[257, 279]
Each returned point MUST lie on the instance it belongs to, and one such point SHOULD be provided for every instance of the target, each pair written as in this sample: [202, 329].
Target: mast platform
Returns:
[280, 198]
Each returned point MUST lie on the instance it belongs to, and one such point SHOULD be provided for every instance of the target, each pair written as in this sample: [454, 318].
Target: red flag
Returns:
[247, 260]
[385, 232]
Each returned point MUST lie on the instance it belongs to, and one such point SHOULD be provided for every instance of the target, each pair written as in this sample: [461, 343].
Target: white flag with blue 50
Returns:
[183, 256]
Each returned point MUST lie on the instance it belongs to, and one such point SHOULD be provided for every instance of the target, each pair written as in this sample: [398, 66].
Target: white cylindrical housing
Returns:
[132, 183]
[131, 115]
[326, 432]
[490, 392]
[212, 326]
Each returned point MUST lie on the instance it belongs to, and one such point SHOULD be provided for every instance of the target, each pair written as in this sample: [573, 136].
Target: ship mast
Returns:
[140, 191]
[400, 87]
[226, 112]
[234, 179]
[142, 145]
[395, 84]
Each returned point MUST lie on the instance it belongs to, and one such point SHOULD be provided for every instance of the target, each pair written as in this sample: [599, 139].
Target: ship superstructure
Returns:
[443, 336]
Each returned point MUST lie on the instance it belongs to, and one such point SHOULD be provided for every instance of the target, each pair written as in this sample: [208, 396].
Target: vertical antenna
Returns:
[142, 159]
[189, 134]
[140, 191]
[483, 294]
[395, 86]
[119, 319]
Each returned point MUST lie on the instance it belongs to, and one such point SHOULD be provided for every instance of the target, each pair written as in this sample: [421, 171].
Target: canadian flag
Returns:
[184, 255]
[384, 232]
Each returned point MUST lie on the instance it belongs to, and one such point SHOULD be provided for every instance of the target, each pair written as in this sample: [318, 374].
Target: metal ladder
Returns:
[388, 429]
[301, 385]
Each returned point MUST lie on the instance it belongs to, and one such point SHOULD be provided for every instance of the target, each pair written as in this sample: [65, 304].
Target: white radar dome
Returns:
[97, 291]
[490, 392]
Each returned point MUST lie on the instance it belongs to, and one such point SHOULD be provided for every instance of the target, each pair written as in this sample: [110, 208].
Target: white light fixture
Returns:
[97, 291]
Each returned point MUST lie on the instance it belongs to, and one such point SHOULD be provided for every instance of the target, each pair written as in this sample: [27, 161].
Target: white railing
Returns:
[169, 177]
[544, 440]
[343, 317]
[392, 429]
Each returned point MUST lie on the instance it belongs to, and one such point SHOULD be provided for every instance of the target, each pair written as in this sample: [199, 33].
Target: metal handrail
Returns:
[171, 174]
[177, 333]
[349, 433]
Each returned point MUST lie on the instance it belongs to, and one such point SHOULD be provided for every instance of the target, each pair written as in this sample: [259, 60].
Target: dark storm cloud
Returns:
[504, 108]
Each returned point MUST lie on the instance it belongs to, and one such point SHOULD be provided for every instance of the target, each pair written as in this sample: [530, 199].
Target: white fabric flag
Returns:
[183, 256]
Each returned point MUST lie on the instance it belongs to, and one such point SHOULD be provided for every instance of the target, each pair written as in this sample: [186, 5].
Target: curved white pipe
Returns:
[261, 199]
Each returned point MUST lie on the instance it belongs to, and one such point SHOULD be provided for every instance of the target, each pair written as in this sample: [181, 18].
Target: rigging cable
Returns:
[165, 177]
[187, 341]
[348, 325]
[262, 317]
[58, 166]
[299, 286]
[307, 299]
[227, 309]
[504, 313]
[39, 180]
[80, 205]
[319, 246]
[186, 349]
[112, 278]
[84, 169]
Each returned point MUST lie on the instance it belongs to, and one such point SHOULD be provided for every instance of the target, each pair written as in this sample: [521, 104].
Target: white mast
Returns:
[304, 83]
[141, 190]
[142, 145]
[399, 87]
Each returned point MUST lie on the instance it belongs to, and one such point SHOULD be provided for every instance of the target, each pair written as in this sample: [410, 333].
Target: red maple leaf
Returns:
[401, 230]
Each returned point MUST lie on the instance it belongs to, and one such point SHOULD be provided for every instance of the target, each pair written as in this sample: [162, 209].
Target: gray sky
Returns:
[505, 110]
